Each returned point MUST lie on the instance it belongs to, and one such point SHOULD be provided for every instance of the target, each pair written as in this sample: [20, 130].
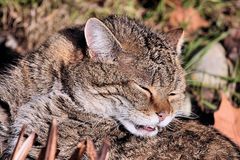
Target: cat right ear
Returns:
[175, 38]
[102, 44]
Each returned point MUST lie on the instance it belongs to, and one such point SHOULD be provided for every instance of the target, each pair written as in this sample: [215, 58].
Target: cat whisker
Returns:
[177, 120]
[181, 114]
[184, 116]
[96, 124]
[170, 127]
[194, 115]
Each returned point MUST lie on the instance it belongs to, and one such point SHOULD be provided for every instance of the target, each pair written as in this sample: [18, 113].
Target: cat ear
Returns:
[175, 38]
[102, 44]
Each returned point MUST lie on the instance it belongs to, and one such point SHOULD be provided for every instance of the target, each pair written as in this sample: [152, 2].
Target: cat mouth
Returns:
[140, 130]
[146, 128]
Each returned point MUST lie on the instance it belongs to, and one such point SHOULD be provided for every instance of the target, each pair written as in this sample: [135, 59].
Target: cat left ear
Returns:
[102, 44]
[175, 38]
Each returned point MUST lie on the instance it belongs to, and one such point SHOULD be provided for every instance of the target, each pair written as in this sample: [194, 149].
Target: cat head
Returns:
[142, 73]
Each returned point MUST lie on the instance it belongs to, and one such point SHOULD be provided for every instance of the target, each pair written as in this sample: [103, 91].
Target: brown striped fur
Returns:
[129, 80]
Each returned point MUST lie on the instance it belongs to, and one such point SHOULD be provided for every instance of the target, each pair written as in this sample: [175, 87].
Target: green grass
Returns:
[189, 63]
[20, 2]
[208, 104]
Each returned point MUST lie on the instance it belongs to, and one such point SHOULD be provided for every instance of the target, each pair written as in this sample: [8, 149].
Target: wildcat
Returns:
[113, 69]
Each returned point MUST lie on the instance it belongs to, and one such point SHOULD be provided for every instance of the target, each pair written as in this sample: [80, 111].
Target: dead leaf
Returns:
[227, 120]
[104, 152]
[174, 2]
[51, 147]
[90, 150]
[79, 151]
[188, 16]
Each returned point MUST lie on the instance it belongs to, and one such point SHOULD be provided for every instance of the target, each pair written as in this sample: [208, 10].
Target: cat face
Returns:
[152, 80]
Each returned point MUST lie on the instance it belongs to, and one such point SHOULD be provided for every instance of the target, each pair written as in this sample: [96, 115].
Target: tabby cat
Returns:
[97, 78]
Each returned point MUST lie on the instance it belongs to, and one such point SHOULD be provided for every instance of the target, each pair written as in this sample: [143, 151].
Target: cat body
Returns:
[102, 74]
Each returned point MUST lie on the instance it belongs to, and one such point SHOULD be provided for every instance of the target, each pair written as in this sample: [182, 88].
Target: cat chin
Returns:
[146, 130]
[166, 121]
[138, 130]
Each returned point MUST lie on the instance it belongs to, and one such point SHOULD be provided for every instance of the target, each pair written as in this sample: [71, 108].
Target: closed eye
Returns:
[146, 89]
[172, 94]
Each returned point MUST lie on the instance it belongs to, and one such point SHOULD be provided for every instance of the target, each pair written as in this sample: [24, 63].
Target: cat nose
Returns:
[162, 116]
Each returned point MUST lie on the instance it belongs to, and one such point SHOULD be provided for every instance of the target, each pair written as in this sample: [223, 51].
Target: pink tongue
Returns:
[148, 128]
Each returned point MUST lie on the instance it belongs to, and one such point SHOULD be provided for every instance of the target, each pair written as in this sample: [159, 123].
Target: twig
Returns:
[23, 151]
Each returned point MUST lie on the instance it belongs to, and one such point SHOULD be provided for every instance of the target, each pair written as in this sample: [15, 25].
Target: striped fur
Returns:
[66, 78]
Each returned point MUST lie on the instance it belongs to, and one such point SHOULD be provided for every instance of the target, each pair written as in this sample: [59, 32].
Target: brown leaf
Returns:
[19, 142]
[23, 151]
[51, 147]
[188, 16]
[90, 150]
[79, 151]
[227, 120]
[104, 152]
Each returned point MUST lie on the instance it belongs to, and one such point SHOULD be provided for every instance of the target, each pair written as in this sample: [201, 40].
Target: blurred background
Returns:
[210, 54]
